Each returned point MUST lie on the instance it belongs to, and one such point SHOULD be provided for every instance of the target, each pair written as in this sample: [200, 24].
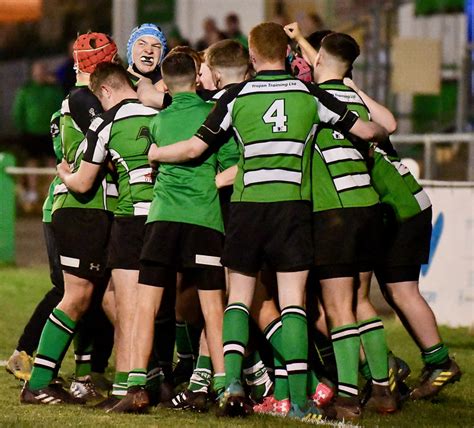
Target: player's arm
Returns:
[335, 113]
[151, 95]
[293, 32]
[94, 157]
[226, 177]
[84, 106]
[211, 134]
[379, 113]
[80, 181]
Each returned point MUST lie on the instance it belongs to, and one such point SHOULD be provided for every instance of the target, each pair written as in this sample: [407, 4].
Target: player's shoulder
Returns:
[128, 109]
[342, 92]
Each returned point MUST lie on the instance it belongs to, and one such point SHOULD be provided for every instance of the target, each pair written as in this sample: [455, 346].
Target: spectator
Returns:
[233, 30]
[33, 106]
[65, 74]
[212, 34]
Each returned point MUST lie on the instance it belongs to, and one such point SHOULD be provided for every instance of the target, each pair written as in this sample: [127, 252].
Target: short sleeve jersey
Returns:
[228, 154]
[56, 139]
[122, 134]
[340, 178]
[274, 117]
[396, 185]
[187, 192]
[77, 112]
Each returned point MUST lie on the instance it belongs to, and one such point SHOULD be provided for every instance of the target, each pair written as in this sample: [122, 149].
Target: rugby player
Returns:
[184, 231]
[81, 226]
[274, 116]
[122, 134]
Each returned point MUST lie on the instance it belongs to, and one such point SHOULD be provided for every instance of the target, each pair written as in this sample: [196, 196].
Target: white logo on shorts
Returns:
[94, 267]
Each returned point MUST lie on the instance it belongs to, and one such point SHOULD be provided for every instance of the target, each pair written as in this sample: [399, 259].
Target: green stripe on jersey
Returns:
[396, 185]
[340, 178]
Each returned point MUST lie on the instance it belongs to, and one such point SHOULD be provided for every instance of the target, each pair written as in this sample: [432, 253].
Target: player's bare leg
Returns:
[108, 302]
[213, 311]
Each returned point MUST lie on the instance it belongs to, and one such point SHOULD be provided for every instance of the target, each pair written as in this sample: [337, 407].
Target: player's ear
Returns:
[165, 88]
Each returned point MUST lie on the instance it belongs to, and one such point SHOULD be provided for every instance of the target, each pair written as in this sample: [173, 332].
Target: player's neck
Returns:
[325, 75]
[83, 79]
[269, 66]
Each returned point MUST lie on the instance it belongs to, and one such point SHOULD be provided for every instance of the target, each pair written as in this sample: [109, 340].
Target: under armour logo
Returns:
[95, 267]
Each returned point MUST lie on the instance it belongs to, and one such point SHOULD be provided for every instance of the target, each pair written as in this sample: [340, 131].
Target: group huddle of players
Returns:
[248, 195]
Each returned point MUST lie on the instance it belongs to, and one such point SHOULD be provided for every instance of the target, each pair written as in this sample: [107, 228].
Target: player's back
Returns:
[395, 184]
[77, 111]
[340, 175]
[185, 192]
[124, 132]
[274, 117]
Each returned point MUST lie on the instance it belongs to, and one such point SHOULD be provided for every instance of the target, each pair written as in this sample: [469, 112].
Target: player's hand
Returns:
[63, 169]
[293, 31]
[350, 83]
[153, 156]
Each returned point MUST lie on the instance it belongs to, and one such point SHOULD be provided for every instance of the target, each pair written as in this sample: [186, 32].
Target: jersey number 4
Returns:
[275, 115]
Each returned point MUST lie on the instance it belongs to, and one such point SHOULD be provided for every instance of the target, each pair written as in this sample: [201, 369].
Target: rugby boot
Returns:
[434, 378]
[347, 408]
[52, 394]
[20, 365]
[107, 404]
[83, 387]
[188, 400]
[323, 395]
[381, 400]
[233, 401]
[136, 401]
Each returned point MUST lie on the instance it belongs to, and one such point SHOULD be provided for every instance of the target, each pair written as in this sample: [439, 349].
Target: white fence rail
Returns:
[429, 140]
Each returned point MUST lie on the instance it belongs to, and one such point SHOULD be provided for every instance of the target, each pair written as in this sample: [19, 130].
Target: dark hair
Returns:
[178, 67]
[227, 53]
[315, 39]
[110, 73]
[342, 46]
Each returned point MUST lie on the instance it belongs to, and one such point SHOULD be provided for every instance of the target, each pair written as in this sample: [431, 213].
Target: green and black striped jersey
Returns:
[340, 178]
[396, 185]
[77, 111]
[123, 135]
[274, 117]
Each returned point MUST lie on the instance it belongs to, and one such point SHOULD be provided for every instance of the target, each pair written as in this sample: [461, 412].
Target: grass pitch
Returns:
[22, 288]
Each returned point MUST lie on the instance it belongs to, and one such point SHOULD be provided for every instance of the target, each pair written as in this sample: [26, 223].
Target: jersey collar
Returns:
[271, 72]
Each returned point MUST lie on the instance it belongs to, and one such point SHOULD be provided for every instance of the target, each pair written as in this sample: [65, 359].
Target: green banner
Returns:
[429, 7]
[158, 12]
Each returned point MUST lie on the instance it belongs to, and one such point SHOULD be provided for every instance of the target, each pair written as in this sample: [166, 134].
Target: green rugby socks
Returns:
[235, 337]
[346, 343]
[55, 339]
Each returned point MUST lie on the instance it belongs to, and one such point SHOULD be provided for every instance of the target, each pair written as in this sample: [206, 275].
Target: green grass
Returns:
[21, 289]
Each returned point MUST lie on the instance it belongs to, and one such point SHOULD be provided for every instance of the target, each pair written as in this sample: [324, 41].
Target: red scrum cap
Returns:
[91, 49]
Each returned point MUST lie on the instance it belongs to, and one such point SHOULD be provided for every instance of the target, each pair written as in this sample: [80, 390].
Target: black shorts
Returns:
[171, 247]
[346, 241]
[405, 247]
[82, 236]
[126, 242]
[277, 234]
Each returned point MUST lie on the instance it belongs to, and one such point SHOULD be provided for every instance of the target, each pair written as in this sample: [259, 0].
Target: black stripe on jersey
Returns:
[335, 162]
[355, 187]
[350, 174]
